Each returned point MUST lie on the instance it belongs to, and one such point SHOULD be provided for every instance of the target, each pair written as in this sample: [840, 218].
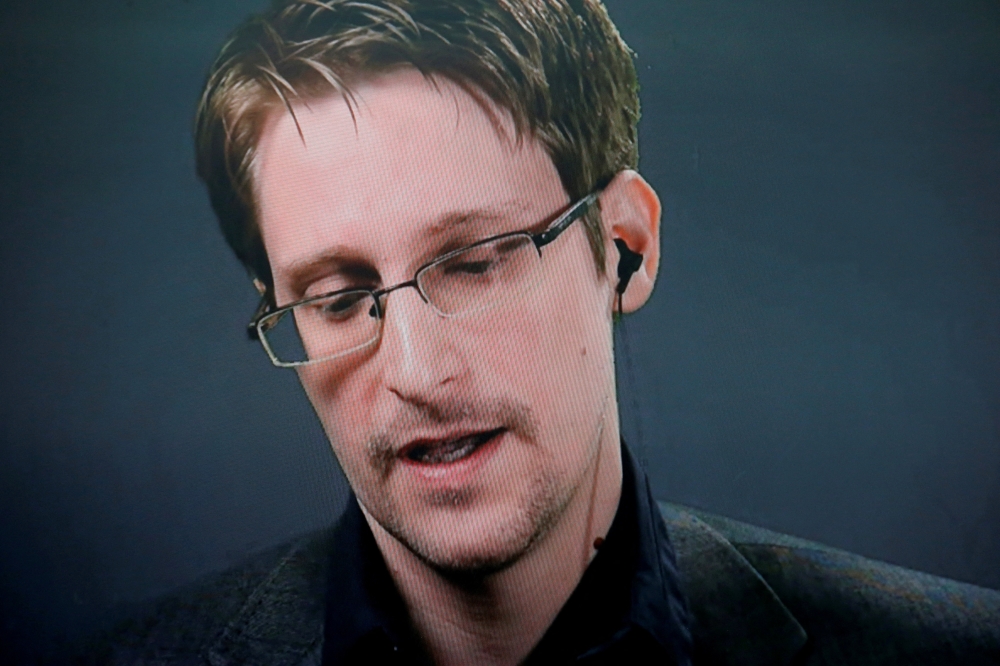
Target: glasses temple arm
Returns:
[262, 309]
[576, 211]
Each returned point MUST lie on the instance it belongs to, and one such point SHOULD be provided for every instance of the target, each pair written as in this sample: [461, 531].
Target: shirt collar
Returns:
[632, 584]
[364, 611]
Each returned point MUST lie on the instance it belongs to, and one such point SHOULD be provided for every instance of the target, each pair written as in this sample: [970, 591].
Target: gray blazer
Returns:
[760, 597]
[756, 596]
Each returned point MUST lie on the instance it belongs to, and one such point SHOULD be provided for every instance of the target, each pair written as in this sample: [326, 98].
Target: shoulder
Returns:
[224, 617]
[825, 604]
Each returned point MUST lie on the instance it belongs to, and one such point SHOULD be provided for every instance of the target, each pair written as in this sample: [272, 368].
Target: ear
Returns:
[260, 287]
[630, 211]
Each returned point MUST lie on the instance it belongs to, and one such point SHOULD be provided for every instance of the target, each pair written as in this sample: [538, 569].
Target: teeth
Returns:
[448, 452]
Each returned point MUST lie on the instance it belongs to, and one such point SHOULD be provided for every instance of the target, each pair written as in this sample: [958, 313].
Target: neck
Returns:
[500, 617]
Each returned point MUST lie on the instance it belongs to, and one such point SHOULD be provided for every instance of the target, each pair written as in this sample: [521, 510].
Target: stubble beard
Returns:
[497, 543]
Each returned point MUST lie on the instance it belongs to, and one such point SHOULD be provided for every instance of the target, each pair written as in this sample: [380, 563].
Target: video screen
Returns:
[478, 331]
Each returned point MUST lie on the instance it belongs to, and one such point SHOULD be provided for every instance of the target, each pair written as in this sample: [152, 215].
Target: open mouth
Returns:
[448, 451]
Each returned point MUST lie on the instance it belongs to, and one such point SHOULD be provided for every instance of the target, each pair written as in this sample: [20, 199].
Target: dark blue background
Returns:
[822, 355]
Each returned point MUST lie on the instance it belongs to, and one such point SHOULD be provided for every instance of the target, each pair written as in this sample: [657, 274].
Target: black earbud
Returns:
[628, 263]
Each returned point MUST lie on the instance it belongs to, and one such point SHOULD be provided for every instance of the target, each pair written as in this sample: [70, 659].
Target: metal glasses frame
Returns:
[257, 326]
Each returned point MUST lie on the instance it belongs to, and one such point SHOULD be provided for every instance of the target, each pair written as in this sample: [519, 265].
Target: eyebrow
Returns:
[333, 260]
[462, 218]
[304, 272]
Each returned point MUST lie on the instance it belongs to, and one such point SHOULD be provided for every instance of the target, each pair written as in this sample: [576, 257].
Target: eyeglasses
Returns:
[477, 277]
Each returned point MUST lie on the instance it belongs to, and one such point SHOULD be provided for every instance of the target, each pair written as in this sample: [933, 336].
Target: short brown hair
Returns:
[559, 67]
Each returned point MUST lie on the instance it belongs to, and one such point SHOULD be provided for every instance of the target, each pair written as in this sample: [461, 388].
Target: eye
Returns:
[477, 267]
[345, 275]
[489, 260]
[342, 307]
[326, 286]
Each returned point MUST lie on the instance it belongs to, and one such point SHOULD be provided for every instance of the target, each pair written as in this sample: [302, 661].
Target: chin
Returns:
[473, 555]
[472, 561]
[478, 541]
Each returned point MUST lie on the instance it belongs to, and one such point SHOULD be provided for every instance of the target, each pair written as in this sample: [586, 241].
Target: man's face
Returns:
[465, 437]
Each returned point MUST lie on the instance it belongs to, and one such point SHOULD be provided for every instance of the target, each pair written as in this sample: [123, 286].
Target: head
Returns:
[346, 144]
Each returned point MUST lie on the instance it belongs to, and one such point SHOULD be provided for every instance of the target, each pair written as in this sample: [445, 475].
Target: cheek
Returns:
[343, 403]
[575, 353]
[506, 350]
[576, 320]
[560, 343]
[570, 356]
[343, 385]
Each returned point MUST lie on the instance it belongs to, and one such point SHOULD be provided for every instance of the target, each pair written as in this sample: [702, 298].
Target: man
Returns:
[437, 202]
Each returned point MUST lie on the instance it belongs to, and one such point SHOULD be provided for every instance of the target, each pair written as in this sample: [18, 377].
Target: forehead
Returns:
[378, 177]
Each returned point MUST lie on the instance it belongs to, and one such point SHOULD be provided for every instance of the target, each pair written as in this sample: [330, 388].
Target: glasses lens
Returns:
[481, 276]
[322, 328]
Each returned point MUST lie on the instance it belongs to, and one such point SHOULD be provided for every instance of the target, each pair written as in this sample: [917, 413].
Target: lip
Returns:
[458, 470]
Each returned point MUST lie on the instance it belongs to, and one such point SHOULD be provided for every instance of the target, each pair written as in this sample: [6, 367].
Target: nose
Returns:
[416, 354]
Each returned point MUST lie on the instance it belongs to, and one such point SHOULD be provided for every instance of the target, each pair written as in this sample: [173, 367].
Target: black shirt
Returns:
[759, 598]
[627, 608]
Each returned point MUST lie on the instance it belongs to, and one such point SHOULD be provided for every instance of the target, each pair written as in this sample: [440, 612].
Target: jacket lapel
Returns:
[281, 624]
[738, 619]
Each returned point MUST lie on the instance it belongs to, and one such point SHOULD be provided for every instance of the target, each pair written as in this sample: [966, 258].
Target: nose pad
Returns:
[405, 315]
[415, 356]
[381, 304]
[398, 328]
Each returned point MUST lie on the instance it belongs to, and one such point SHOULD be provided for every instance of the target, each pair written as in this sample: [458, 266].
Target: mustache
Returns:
[385, 443]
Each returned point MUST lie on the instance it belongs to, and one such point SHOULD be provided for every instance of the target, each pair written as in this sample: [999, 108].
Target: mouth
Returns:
[447, 451]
